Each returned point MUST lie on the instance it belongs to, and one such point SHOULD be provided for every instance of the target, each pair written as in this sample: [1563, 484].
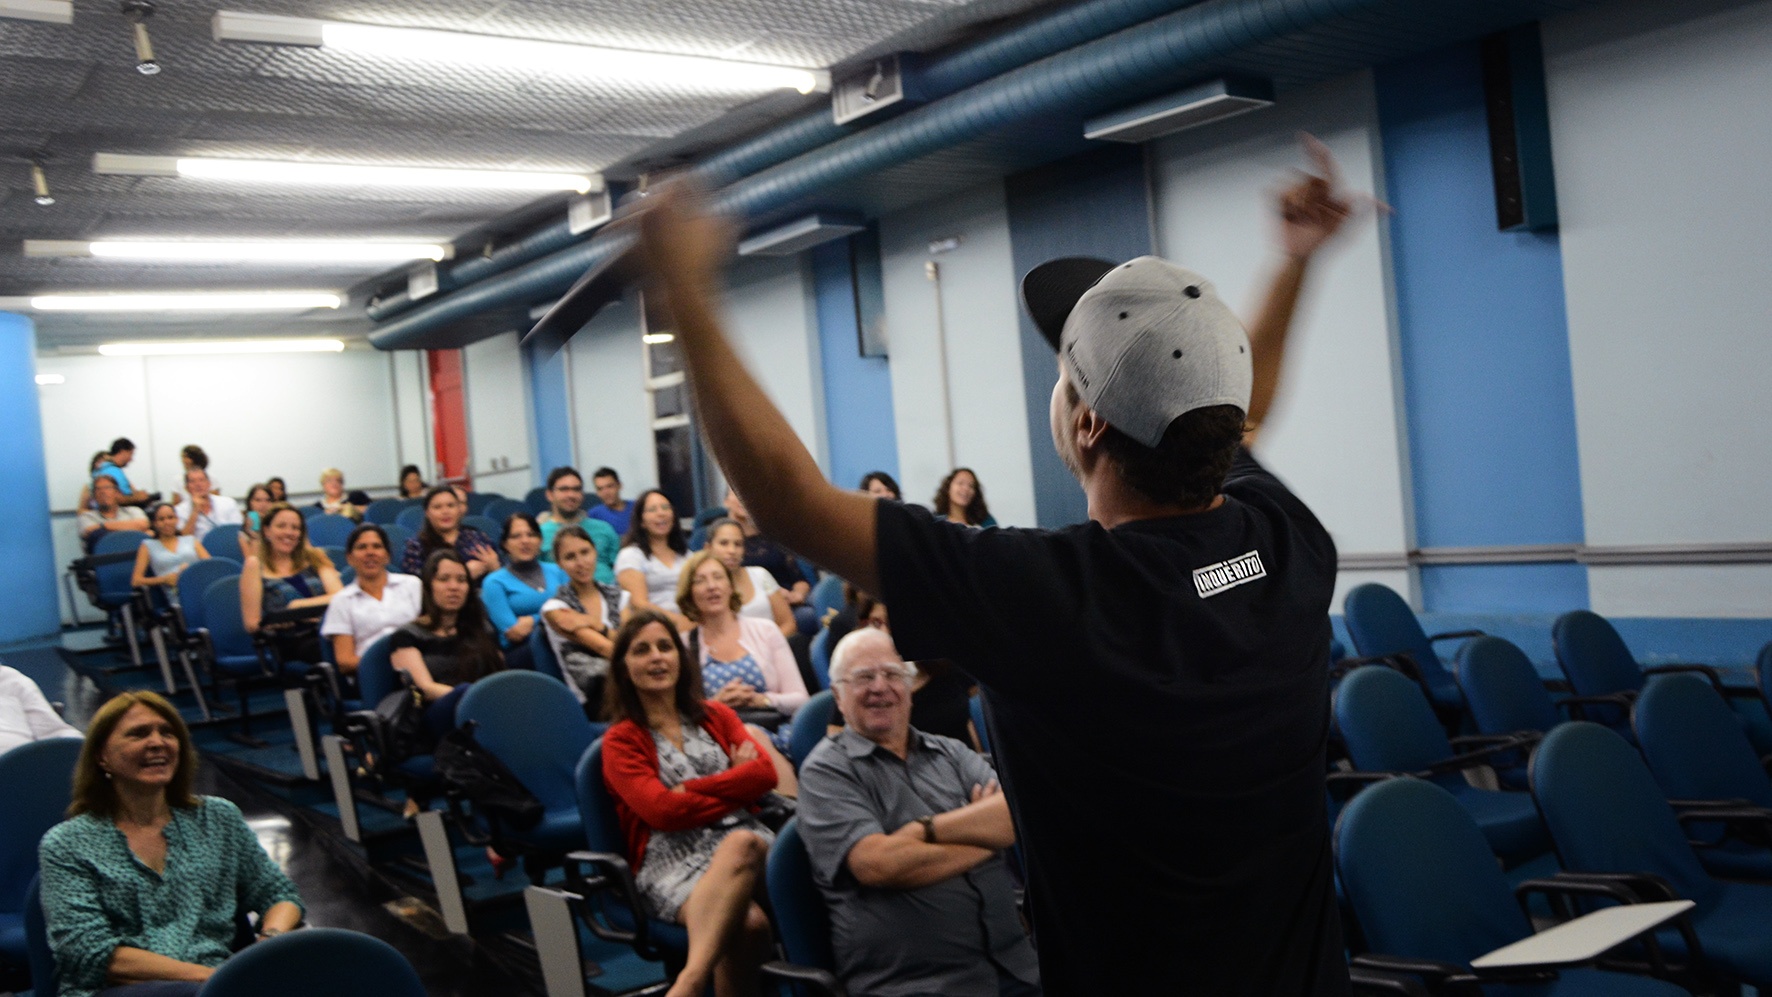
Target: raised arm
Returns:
[782, 486]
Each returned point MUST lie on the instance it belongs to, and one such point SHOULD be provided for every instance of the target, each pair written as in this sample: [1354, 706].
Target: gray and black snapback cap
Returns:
[1146, 340]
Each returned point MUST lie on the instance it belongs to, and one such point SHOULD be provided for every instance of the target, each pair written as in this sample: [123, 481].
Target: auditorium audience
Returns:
[762, 598]
[652, 556]
[25, 713]
[610, 507]
[941, 694]
[373, 604]
[258, 506]
[412, 482]
[108, 514]
[513, 594]
[582, 617]
[961, 499]
[84, 502]
[687, 779]
[443, 530]
[285, 573]
[880, 485]
[333, 499]
[905, 831]
[566, 507]
[203, 510]
[762, 552]
[279, 490]
[143, 882]
[745, 663]
[166, 552]
[191, 456]
[120, 455]
[449, 645]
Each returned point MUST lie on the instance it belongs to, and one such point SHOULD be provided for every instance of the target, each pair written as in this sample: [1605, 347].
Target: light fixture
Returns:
[802, 233]
[1213, 100]
[138, 12]
[40, 181]
[658, 338]
[52, 379]
[339, 174]
[48, 11]
[223, 301]
[200, 347]
[170, 251]
[525, 54]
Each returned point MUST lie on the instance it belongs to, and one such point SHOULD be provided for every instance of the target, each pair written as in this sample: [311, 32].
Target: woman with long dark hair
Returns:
[443, 530]
[881, 485]
[258, 507]
[513, 595]
[960, 499]
[412, 482]
[582, 617]
[687, 778]
[287, 572]
[651, 556]
[450, 644]
[166, 552]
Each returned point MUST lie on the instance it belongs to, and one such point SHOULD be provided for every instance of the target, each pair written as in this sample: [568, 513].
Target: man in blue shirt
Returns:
[566, 499]
[611, 508]
[122, 452]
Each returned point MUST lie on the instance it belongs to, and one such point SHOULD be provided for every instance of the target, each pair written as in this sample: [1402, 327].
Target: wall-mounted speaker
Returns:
[1519, 130]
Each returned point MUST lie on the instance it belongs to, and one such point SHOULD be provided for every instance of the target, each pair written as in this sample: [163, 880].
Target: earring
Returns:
[107, 776]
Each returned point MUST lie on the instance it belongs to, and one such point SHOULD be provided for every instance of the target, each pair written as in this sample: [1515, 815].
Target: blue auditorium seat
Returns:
[821, 658]
[397, 537]
[980, 723]
[330, 961]
[827, 596]
[618, 904]
[412, 517]
[329, 530]
[500, 510]
[810, 726]
[536, 500]
[383, 511]
[478, 501]
[534, 725]
[1598, 663]
[799, 908]
[223, 541]
[541, 653]
[1608, 817]
[36, 781]
[1382, 625]
[485, 525]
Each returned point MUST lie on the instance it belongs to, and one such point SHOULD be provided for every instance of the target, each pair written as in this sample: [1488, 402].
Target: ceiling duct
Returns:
[885, 84]
[1211, 101]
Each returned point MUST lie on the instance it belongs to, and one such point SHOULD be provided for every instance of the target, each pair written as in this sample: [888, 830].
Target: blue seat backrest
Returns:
[336, 554]
[223, 541]
[478, 501]
[821, 658]
[980, 723]
[503, 509]
[221, 615]
[1502, 689]
[36, 781]
[397, 537]
[536, 500]
[1694, 743]
[596, 807]
[411, 517]
[331, 961]
[800, 914]
[376, 676]
[1606, 814]
[708, 515]
[1763, 674]
[484, 525]
[1592, 655]
[809, 727]
[698, 538]
[119, 542]
[1387, 723]
[310, 512]
[827, 595]
[1420, 876]
[1380, 622]
[383, 511]
[533, 724]
[194, 582]
[44, 978]
[329, 530]
[541, 652]
[114, 579]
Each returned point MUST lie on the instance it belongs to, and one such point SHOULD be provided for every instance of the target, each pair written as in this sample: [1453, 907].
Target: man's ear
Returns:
[1089, 429]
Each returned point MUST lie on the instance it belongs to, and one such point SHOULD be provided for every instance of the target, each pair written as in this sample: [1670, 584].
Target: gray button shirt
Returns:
[950, 937]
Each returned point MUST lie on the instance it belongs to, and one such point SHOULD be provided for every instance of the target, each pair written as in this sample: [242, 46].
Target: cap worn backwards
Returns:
[1146, 340]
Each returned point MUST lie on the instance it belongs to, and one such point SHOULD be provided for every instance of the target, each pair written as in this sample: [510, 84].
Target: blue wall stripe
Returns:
[1485, 348]
[1094, 204]
[28, 585]
[551, 411]
[859, 422]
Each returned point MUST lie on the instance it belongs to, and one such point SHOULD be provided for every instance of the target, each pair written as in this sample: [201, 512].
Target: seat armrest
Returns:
[1575, 704]
[1367, 981]
[1455, 635]
[1444, 978]
[1519, 738]
[819, 982]
[589, 873]
[1343, 785]
[1473, 758]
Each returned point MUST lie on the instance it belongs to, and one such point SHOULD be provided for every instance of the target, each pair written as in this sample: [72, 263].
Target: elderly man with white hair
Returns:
[906, 831]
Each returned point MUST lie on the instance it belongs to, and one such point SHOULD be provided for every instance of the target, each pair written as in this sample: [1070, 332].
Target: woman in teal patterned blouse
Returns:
[142, 882]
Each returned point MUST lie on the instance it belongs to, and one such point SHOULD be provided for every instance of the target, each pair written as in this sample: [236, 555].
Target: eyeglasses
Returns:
[863, 679]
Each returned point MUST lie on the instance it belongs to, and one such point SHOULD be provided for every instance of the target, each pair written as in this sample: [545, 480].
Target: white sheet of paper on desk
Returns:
[1585, 938]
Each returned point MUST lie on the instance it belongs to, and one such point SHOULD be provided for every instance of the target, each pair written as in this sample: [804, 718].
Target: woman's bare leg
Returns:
[717, 907]
[786, 783]
[736, 974]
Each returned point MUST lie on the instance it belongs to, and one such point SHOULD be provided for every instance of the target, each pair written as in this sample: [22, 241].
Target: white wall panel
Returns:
[1661, 123]
[412, 409]
[769, 315]
[1334, 435]
[611, 416]
[976, 305]
[497, 397]
[103, 398]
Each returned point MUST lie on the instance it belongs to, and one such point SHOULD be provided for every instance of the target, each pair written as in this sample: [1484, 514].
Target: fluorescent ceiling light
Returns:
[51, 379]
[1211, 101]
[200, 347]
[51, 11]
[222, 301]
[318, 251]
[801, 234]
[658, 338]
[523, 54]
[339, 174]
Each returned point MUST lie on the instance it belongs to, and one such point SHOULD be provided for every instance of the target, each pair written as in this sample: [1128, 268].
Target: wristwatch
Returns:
[928, 823]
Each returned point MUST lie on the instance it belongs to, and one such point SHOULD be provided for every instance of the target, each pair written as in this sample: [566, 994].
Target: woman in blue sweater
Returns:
[514, 593]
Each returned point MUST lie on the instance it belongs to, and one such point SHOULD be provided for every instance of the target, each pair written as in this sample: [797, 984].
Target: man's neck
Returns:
[1113, 502]
[617, 505]
[568, 519]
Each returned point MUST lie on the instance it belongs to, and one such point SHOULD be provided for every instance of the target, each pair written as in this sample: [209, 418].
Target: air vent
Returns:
[803, 233]
[887, 82]
[586, 213]
[1197, 105]
[49, 11]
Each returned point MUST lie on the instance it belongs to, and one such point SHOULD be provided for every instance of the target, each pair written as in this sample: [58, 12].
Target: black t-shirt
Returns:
[451, 659]
[762, 552]
[1160, 696]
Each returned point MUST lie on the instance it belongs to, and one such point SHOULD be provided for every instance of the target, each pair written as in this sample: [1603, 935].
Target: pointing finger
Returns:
[1321, 158]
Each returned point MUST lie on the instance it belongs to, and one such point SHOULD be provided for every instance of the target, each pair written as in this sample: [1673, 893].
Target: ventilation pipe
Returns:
[1107, 72]
[938, 78]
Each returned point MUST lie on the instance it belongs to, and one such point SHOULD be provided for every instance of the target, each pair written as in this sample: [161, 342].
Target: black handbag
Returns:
[767, 717]
[478, 775]
[400, 724]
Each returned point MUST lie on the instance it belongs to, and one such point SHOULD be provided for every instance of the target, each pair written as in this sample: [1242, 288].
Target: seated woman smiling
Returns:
[143, 882]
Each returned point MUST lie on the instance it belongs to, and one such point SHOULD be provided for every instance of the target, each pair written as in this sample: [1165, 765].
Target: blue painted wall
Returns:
[1096, 204]
[859, 426]
[28, 585]
[1485, 349]
[551, 413]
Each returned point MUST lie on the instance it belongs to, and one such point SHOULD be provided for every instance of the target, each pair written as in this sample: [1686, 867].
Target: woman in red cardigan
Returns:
[687, 777]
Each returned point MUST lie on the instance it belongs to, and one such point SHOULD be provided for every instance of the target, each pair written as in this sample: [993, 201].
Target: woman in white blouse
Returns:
[651, 556]
[763, 599]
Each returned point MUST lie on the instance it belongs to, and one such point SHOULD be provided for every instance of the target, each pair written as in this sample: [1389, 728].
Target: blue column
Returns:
[859, 423]
[551, 413]
[27, 586]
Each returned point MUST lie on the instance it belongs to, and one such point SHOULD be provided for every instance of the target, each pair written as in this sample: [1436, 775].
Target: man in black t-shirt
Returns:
[1158, 675]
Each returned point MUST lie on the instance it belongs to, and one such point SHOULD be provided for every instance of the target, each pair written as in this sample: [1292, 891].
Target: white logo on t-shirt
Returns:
[1215, 578]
